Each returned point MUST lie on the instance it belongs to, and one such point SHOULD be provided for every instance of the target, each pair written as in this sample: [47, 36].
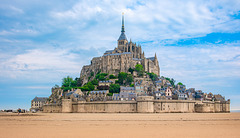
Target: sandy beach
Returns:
[119, 125]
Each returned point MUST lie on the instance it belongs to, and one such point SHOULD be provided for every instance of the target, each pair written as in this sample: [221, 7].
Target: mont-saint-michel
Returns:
[81, 68]
[123, 80]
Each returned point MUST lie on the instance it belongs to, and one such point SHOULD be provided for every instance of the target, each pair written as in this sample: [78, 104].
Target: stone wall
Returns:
[105, 107]
[52, 108]
[144, 104]
[212, 107]
[174, 106]
[67, 105]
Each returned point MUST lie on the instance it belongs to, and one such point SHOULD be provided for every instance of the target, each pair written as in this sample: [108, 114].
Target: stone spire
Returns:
[122, 36]
[123, 30]
[155, 59]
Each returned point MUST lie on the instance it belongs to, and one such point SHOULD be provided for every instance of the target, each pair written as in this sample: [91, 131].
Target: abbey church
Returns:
[126, 55]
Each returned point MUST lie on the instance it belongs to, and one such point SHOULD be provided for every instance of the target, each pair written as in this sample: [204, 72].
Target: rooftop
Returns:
[151, 58]
[100, 91]
[117, 54]
[40, 99]
[127, 88]
[105, 81]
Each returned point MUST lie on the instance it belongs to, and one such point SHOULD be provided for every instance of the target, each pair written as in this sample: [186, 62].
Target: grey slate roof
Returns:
[151, 58]
[100, 91]
[70, 93]
[116, 94]
[122, 36]
[81, 99]
[159, 81]
[127, 88]
[117, 54]
[106, 81]
[109, 51]
[137, 59]
[40, 99]
[75, 95]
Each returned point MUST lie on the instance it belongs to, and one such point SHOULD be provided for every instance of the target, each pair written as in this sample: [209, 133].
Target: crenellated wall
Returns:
[144, 104]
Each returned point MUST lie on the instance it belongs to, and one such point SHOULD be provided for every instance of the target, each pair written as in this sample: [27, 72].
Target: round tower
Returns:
[145, 104]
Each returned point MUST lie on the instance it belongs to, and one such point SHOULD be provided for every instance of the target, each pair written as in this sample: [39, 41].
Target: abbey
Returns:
[126, 55]
[145, 93]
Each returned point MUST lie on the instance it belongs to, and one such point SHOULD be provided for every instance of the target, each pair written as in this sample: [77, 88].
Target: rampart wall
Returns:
[144, 104]
[52, 108]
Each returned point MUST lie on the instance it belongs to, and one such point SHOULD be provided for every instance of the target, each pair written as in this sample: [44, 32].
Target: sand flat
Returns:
[104, 125]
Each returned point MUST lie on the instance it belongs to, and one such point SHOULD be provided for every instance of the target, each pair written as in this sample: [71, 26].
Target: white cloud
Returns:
[18, 32]
[210, 65]
[41, 64]
[35, 87]
[11, 9]
[15, 9]
[149, 20]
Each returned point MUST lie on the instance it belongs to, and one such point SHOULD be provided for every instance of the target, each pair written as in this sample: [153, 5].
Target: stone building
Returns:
[105, 83]
[126, 55]
[168, 93]
[127, 89]
[127, 96]
[37, 103]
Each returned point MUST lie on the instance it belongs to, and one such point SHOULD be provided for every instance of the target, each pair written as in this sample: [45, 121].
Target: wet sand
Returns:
[102, 125]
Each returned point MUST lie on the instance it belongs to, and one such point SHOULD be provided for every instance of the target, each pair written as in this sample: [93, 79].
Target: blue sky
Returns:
[197, 42]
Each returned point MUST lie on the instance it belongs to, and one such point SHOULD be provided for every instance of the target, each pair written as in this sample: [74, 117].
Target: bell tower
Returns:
[122, 40]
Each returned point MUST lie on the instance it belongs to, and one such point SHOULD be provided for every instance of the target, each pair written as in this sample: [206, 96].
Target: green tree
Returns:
[114, 88]
[67, 82]
[132, 85]
[92, 74]
[172, 81]
[88, 87]
[99, 71]
[167, 79]
[117, 81]
[79, 82]
[110, 94]
[122, 78]
[179, 83]
[153, 76]
[139, 69]
[131, 70]
[66, 88]
[129, 79]
[101, 76]
[112, 76]
[94, 82]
